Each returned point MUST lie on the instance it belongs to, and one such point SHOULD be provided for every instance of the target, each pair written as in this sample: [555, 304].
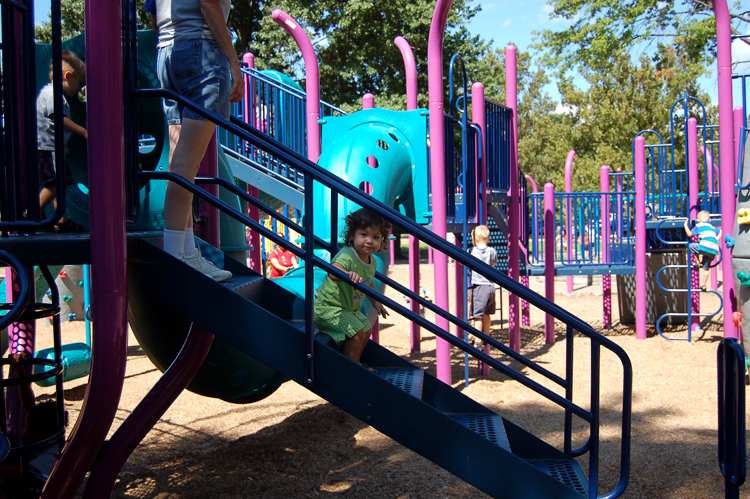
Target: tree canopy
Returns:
[601, 29]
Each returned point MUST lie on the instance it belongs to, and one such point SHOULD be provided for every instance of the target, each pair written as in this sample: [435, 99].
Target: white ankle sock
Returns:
[189, 245]
[174, 240]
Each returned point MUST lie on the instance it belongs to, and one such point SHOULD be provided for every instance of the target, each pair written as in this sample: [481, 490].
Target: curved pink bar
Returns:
[568, 214]
[640, 238]
[514, 215]
[410, 67]
[437, 177]
[312, 79]
[534, 188]
[108, 253]
[726, 153]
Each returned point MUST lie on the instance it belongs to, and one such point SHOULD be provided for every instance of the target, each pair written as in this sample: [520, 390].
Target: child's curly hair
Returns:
[362, 219]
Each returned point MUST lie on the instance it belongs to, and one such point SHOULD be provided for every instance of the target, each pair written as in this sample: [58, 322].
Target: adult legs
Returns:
[188, 143]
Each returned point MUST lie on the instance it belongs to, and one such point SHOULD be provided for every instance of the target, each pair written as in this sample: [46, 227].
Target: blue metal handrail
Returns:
[312, 172]
[732, 442]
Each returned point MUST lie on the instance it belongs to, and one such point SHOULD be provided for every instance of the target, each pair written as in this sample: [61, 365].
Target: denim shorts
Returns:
[198, 70]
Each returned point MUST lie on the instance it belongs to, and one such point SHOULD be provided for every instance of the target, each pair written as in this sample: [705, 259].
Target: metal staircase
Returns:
[263, 320]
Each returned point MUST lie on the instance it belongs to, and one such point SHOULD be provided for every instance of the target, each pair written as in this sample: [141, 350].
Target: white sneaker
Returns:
[196, 260]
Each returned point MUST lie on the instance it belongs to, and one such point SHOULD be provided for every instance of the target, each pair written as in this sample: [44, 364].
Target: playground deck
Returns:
[294, 444]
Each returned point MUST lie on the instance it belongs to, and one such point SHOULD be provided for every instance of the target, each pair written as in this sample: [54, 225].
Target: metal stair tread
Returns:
[408, 380]
[238, 281]
[489, 426]
[566, 471]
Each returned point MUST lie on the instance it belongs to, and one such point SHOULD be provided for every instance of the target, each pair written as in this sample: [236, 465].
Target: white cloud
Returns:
[507, 23]
[563, 109]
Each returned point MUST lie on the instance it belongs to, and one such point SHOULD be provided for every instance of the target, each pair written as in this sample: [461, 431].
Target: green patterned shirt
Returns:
[341, 293]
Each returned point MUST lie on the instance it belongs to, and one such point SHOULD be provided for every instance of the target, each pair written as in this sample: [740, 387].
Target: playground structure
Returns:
[165, 299]
[601, 228]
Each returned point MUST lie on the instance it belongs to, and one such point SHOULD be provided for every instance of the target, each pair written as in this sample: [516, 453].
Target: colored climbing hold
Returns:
[80, 283]
[737, 318]
[744, 278]
[743, 216]
[63, 274]
[71, 317]
[730, 242]
[49, 292]
[67, 298]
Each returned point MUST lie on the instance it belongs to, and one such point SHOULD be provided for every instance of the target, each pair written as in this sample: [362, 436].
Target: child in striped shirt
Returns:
[708, 242]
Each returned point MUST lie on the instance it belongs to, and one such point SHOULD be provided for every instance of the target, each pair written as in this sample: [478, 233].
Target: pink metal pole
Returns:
[530, 180]
[514, 212]
[693, 190]
[368, 101]
[478, 117]
[618, 189]
[713, 178]
[410, 69]
[640, 238]
[108, 253]
[252, 211]
[604, 240]
[549, 259]
[726, 153]
[569, 208]
[392, 250]
[175, 379]
[437, 177]
[312, 79]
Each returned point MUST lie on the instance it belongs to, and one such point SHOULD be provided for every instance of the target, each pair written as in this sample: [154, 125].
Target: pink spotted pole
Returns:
[604, 221]
[21, 339]
[514, 216]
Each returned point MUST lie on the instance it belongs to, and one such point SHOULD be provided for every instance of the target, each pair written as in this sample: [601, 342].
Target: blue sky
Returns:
[506, 21]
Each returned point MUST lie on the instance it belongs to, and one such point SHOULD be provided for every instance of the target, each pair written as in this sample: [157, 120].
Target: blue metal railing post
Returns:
[309, 284]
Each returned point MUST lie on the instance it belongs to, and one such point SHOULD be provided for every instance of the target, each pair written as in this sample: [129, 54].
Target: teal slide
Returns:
[382, 152]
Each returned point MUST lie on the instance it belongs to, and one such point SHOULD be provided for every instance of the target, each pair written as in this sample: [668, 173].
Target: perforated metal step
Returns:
[566, 471]
[488, 426]
[409, 380]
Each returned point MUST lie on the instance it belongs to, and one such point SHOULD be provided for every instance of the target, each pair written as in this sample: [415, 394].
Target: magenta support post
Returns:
[514, 212]
[108, 254]
[712, 170]
[312, 80]
[569, 209]
[549, 259]
[640, 238]
[437, 177]
[726, 154]
[410, 69]
[618, 189]
[368, 101]
[604, 241]
[252, 210]
[693, 190]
